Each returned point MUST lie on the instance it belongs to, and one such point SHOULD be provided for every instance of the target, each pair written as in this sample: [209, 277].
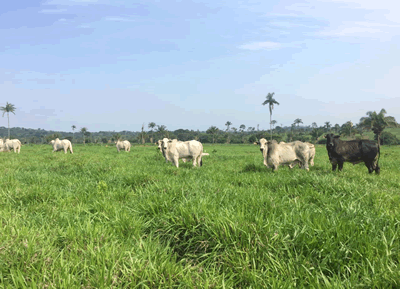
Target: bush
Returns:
[388, 138]
[321, 141]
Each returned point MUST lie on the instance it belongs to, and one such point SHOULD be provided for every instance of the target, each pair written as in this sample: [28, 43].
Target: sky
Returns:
[118, 64]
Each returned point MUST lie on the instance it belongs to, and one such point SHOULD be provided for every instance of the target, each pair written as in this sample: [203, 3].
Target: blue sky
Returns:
[116, 64]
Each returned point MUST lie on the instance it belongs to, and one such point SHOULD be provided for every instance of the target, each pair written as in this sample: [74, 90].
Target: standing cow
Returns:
[175, 150]
[59, 145]
[14, 144]
[123, 145]
[353, 151]
[276, 154]
[264, 144]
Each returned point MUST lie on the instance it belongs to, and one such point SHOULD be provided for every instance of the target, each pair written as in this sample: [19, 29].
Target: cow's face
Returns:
[263, 145]
[52, 142]
[331, 140]
[164, 143]
[159, 145]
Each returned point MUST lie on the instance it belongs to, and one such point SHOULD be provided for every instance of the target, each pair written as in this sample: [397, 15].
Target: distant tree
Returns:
[143, 135]
[7, 109]
[337, 128]
[327, 126]
[273, 123]
[73, 130]
[314, 125]
[271, 102]
[242, 127]
[84, 132]
[234, 129]
[316, 133]
[151, 126]
[213, 130]
[377, 122]
[162, 130]
[297, 122]
[228, 124]
[116, 136]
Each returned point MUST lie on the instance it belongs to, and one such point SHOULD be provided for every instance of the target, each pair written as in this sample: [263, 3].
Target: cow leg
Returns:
[176, 161]
[334, 167]
[340, 166]
[65, 150]
[377, 169]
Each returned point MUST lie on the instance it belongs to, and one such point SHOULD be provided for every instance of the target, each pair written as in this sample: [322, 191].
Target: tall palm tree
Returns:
[7, 109]
[84, 132]
[73, 130]
[377, 122]
[228, 124]
[151, 126]
[314, 125]
[271, 102]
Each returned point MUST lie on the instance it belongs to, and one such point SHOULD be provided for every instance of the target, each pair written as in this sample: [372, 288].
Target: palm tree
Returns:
[84, 131]
[73, 130]
[377, 122]
[314, 125]
[271, 102]
[228, 124]
[162, 130]
[7, 109]
[151, 126]
[213, 130]
[327, 125]
[298, 121]
[242, 127]
[337, 128]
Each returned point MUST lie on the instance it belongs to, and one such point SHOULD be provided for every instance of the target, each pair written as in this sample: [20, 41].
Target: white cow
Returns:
[276, 154]
[263, 142]
[14, 144]
[175, 150]
[59, 145]
[123, 145]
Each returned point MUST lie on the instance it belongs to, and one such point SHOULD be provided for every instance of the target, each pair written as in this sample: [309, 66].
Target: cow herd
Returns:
[274, 153]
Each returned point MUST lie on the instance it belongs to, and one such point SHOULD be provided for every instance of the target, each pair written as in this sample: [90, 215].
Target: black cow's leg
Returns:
[340, 166]
[334, 167]
[377, 170]
[369, 166]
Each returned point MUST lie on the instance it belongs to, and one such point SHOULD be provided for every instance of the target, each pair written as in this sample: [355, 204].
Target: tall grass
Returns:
[99, 219]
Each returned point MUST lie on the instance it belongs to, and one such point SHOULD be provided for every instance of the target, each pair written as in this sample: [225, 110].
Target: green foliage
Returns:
[388, 138]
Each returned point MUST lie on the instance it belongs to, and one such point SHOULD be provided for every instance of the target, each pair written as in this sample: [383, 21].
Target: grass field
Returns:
[98, 219]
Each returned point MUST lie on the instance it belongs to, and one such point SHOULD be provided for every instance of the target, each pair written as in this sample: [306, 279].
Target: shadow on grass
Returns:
[253, 168]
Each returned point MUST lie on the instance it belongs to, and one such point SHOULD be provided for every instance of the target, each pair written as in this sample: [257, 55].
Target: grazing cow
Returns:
[123, 145]
[276, 154]
[353, 151]
[14, 144]
[175, 150]
[59, 145]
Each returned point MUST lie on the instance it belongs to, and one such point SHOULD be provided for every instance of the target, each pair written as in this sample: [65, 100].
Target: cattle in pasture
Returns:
[123, 145]
[276, 154]
[263, 143]
[175, 150]
[353, 151]
[13, 144]
[59, 145]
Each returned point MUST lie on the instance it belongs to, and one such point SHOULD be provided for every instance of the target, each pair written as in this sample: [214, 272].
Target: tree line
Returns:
[375, 122]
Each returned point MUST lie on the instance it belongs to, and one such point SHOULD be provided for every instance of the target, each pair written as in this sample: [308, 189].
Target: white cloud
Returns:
[119, 19]
[261, 45]
[71, 2]
[51, 11]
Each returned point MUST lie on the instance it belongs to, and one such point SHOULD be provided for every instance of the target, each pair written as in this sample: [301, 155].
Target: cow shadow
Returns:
[252, 168]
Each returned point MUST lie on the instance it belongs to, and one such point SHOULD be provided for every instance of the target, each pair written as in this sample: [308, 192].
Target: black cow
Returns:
[353, 151]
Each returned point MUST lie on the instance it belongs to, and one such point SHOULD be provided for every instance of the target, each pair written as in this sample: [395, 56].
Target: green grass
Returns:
[99, 219]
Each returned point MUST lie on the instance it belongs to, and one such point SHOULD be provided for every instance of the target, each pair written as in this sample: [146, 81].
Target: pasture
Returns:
[99, 219]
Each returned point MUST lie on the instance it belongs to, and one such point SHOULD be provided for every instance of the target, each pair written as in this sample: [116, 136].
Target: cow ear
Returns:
[336, 136]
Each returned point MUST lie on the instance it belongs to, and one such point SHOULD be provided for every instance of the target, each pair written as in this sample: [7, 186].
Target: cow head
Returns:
[164, 143]
[263, 146]
[52, 142]
[331, 140]
[159, 145]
